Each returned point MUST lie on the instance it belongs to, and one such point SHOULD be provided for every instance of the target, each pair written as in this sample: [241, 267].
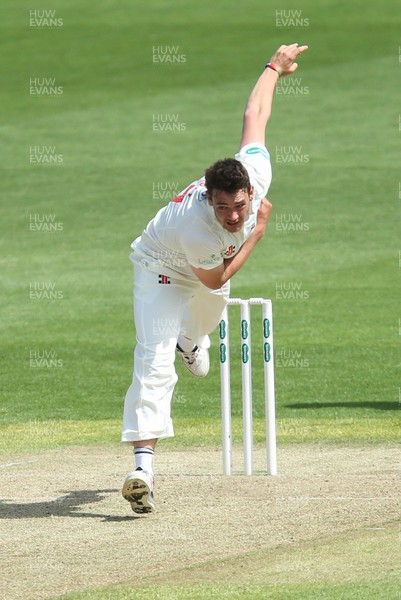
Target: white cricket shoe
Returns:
[197, 361]
[138, 491]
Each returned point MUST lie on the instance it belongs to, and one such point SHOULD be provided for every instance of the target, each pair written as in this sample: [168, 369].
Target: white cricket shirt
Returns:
[186, 232]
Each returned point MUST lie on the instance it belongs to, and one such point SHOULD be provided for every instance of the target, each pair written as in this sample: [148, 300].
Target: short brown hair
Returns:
[227, 175]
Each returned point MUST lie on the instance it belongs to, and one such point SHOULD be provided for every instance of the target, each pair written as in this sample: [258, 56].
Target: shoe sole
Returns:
[138, 494]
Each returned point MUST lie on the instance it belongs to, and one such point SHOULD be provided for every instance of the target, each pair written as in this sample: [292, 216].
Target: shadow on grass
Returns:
[373, 405]
[65, 506]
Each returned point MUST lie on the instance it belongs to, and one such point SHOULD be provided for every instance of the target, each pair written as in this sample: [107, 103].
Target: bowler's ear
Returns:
[251, 192]
[209, 199]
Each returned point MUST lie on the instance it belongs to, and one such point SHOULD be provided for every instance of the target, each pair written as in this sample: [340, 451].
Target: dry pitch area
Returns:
[65, 526]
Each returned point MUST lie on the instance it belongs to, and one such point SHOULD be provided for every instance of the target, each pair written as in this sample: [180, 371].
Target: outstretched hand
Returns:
[285, 58]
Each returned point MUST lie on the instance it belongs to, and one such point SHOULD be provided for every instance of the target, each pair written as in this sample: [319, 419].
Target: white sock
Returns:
[186, 344]
[144, 458]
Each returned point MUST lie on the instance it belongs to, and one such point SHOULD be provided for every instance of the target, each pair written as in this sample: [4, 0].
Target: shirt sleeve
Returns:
[201, 246]
[256, 160]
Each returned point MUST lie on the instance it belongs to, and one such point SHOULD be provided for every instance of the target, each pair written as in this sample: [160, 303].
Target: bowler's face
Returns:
[231, 210]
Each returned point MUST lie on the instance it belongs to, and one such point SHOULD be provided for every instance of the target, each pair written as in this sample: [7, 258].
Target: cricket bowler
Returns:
[183, 263]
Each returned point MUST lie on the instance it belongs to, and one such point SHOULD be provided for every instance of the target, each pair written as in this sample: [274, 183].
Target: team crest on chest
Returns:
[229, 251]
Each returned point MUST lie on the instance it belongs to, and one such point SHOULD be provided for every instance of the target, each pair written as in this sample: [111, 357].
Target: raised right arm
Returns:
[259, 105]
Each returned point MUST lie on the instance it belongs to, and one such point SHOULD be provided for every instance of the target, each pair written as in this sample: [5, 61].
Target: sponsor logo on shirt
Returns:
[209, 261]
[164, 279]
[261, 151]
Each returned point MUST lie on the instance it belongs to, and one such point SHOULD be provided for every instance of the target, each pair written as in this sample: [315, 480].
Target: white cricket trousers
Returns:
[164, 308]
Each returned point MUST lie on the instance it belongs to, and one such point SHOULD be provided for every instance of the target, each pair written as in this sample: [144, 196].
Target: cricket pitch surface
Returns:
[65, 526]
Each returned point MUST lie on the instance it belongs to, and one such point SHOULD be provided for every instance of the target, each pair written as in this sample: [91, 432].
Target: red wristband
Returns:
[274, 68]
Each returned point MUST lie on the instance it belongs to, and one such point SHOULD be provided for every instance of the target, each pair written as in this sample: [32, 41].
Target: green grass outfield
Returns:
[377, 591]
[336, 340]
[321, 572]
